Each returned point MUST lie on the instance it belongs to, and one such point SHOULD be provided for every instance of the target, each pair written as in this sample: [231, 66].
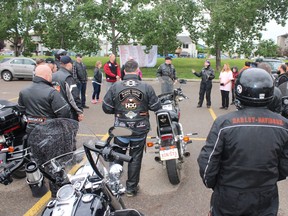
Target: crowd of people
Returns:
[246, 151]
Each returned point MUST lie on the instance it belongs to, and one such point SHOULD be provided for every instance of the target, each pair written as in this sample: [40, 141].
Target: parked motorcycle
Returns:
[84, 184]
[12, 131]
[171, 143]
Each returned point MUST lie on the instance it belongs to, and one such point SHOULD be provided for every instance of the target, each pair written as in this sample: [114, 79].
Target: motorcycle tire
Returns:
[173, 171]
[19, 173]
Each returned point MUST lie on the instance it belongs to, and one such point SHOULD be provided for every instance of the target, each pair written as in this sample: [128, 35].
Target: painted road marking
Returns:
[212, 113]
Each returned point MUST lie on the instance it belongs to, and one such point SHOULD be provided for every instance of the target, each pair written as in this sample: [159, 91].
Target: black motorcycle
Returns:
[12, 132]
[79, 180]
[171, 143]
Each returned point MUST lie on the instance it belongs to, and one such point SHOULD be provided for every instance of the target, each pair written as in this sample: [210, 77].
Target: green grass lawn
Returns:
[183, 66]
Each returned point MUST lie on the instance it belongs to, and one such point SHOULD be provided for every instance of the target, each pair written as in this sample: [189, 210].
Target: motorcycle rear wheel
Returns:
[173, 171]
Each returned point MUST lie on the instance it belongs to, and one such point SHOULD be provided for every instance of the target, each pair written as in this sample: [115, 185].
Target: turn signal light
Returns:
[150, 144]
[11, 149]
[186, 138]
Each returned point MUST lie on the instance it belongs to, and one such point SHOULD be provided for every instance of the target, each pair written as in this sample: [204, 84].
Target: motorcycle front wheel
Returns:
[173, 171]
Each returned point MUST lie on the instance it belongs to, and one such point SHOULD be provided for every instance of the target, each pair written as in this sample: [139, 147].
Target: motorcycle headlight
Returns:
[285, 101]
[115, 172]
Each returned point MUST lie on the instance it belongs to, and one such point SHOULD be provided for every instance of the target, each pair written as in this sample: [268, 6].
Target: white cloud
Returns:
[274, 30]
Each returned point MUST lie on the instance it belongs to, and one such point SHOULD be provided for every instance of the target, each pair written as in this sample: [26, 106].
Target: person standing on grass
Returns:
[225, 78]
[97, 82]
[207, 74]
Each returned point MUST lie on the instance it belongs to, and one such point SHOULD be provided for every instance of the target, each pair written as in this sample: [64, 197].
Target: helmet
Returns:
[59, 53]
[254, 87]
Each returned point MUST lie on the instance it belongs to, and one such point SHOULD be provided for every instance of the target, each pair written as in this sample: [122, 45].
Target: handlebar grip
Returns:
[122, 157]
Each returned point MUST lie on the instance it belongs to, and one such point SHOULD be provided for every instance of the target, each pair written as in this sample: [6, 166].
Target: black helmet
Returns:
[59, 53]
[254, 87]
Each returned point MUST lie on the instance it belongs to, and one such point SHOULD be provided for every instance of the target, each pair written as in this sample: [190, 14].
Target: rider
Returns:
[40, 101]
[130, 101]
[167, 73]
[246, 151]
[58, 54]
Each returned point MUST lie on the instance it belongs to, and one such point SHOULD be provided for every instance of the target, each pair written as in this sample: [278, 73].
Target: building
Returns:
[188, 48]
[282, 42]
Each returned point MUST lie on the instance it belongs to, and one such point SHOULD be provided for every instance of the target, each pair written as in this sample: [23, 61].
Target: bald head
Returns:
[44, 71]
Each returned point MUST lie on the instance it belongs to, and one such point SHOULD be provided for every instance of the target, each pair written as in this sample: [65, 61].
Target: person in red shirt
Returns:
[235, 75]
[112, 71]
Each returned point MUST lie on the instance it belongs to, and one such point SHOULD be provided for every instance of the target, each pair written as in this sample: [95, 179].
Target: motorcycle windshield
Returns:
[284, 88]
[59, 143]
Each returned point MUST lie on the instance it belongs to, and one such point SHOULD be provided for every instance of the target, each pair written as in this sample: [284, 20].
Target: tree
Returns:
[17, 20]
[234, 24]
[267, 48]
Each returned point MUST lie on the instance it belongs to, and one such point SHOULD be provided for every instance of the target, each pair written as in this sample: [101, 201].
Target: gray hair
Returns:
[131, 66]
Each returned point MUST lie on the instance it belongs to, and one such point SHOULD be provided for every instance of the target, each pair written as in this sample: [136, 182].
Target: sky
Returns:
[274, 30]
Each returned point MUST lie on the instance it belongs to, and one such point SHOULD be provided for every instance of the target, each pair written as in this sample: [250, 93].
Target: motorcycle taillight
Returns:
[166, 137]
[1, 146]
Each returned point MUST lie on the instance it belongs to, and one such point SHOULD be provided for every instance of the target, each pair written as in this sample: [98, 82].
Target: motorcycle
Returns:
[83, 183]
[171, 143]
[12, 133]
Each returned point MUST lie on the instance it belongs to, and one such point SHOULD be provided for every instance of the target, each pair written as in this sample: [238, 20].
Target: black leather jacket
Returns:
[80, 71]
[167, 70]
[207, 74]
[41, 100]
[130, 100]
[64, 80]
[245, 149]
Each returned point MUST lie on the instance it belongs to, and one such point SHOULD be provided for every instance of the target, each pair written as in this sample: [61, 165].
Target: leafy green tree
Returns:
[267, 48]
[17, 20]
[237, 23]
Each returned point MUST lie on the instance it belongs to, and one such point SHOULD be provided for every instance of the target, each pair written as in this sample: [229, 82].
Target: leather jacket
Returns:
[130, 101]
[245, 149]
[64, 80]
[80, 71]
[167, 70]
[41, 100]
[207, 74]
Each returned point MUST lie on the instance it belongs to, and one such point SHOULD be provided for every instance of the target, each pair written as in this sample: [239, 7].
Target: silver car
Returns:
[17, 67]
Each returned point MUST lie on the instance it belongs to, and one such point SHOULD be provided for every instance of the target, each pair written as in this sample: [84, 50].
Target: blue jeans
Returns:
[97, 90]
[82, 90]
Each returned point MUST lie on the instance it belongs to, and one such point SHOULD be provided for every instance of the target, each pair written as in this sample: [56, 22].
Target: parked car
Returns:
[7, 53]
[184, 54]
[201, 55]
[274, 63]
[17, 67]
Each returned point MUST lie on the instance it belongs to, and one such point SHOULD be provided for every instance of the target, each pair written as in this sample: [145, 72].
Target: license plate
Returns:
[167, 107]
[169, 154]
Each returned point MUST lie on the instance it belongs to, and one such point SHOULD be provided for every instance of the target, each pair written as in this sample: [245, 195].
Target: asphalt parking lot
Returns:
[157, 197]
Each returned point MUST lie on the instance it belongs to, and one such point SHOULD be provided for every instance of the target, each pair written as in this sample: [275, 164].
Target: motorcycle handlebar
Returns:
[122, 157]
[5, 175]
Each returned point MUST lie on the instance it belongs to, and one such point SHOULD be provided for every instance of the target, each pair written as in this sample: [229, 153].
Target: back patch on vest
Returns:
[131, 98]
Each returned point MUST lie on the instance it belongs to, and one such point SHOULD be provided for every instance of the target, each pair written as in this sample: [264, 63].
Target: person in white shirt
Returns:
[225, 77]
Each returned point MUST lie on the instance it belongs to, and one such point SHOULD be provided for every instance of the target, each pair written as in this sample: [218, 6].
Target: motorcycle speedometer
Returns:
[65, 192]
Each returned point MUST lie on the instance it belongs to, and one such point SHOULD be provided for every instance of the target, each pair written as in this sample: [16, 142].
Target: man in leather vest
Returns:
[130, 101]
[207, 75]
[166, 74]
[112, 71]
[40, 101]
[65, 83]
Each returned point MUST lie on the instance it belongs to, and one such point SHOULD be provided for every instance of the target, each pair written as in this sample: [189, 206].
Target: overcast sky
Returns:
[274, 30]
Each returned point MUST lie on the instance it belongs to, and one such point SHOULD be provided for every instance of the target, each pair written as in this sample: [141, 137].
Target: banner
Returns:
[138, 54]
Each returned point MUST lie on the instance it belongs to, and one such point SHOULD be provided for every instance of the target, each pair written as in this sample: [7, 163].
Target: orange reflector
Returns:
[10, 149]
[186, 138]
[150, 144]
